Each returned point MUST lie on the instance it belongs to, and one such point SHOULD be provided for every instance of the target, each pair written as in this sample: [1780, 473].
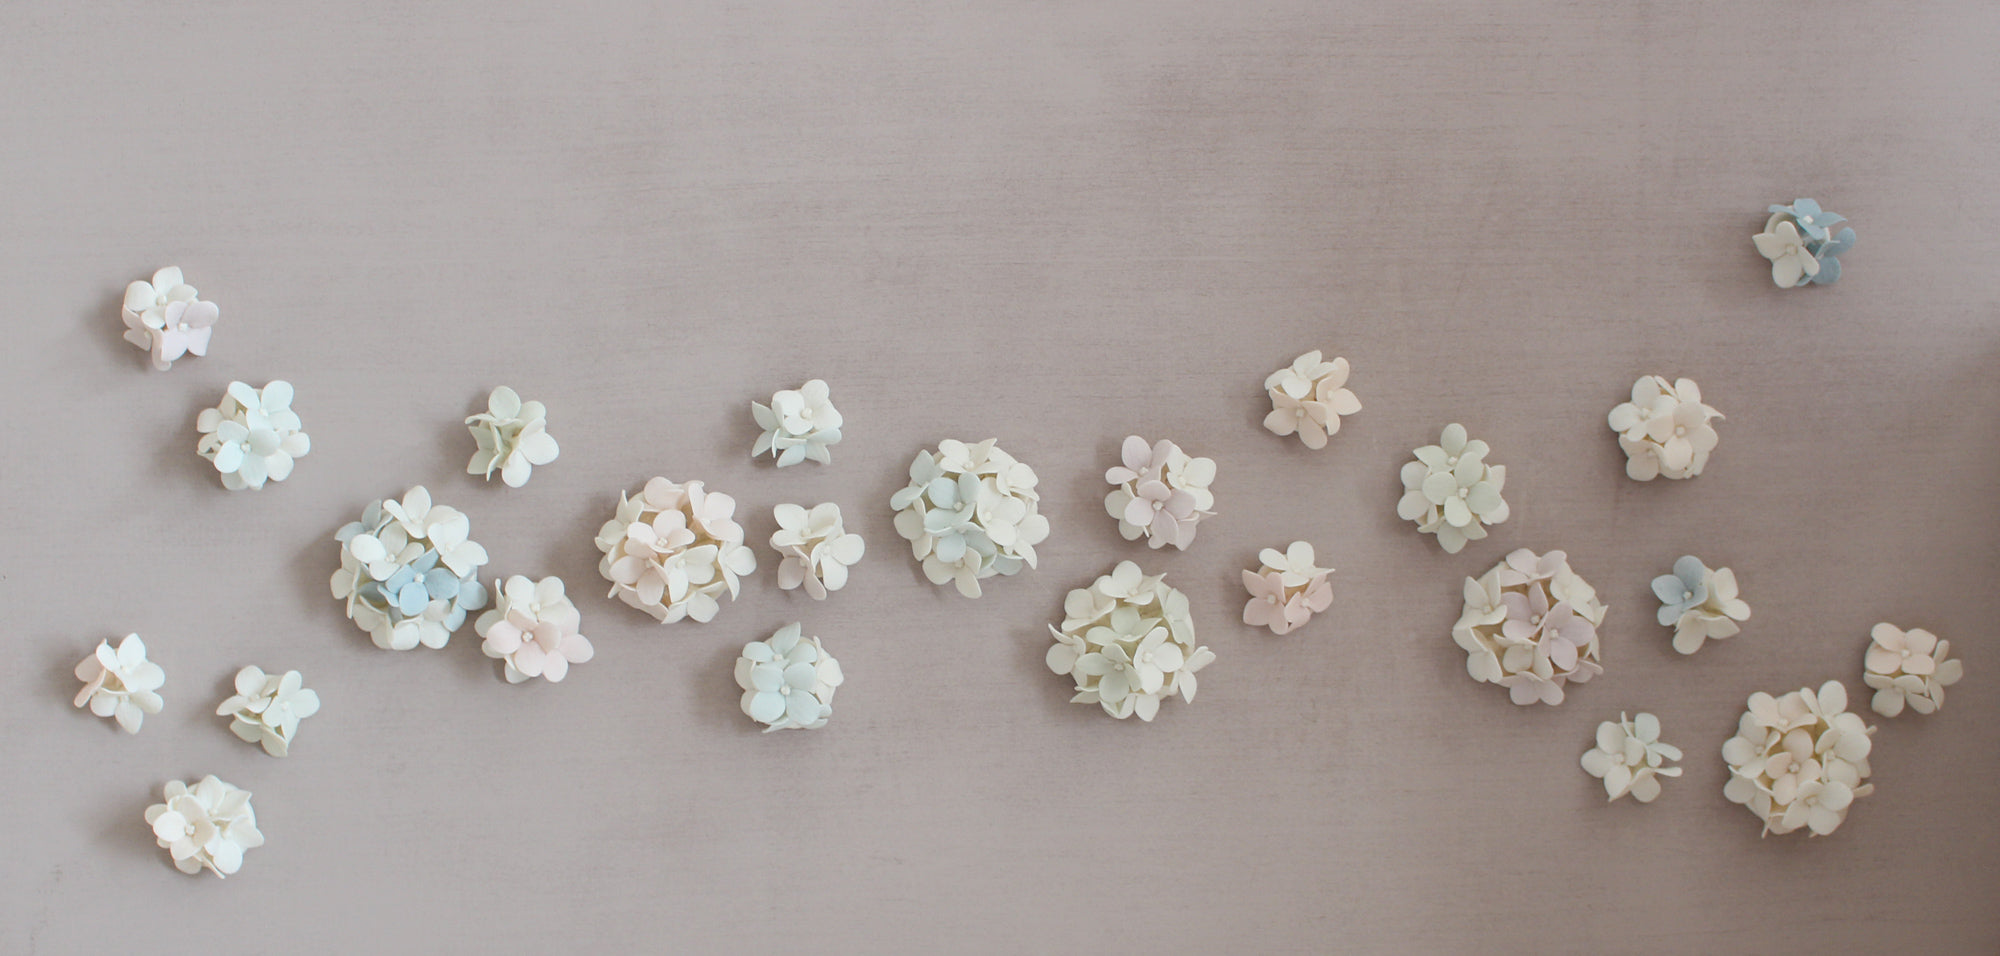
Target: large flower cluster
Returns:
[1665, 429]
[1308, 398]
[1450, 491]
[1801, 246]
[815, 548]
[1799, 760]
[206, 826]
[121, 684]
[1699, 603]
[788, 681]
[511, 435]
[1530, 625]
[168, 318]
[1128, 642]
[266, 708]
[533, 628]
[1287, 588]
[1159, 492]
[409, 572]
[253, 436]
[1910, 667]
[1630, 758]
[969, 512]
[673, 550]
[798, 425]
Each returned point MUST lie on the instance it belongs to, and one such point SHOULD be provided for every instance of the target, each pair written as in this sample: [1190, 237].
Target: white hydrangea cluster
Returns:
[1799, 760]
[788, 681]
[533, 629]
[1159, 492]
[673, 550]
[1910, 667]
[970, 512]
[266, 708]
[168, 318]
[800, 424]
[815, 548]
[206, 826]
[1631, 758]
[409, 571]
[1308, 398]
[1665, 429]
[1700, 603]
[512, 436]
[121, 684]
[252, 436]
[1450, 491]
[1128, 642]
[1530, 625]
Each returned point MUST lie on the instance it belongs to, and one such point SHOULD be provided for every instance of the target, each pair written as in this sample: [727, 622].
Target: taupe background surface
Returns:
[1055, 224]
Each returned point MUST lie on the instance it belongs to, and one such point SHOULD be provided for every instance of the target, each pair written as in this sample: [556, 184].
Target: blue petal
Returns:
[1668, 589]
[454, 619]
[1806, 207]
[1841, 242]
[1829, 271]
[471, 595]
[412, 598]
[441, 583]
[399, 580]
[425, 561]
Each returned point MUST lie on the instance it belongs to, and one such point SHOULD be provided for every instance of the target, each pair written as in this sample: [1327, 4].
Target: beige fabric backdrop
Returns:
[1056, 224]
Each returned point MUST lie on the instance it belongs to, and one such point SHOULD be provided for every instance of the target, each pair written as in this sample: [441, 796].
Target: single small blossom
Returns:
[206, 826]
[168, 318]
[1530, 625]
[533, 629]
[788, 681]
[798, 425]
[512, 436]
[253, 436]
[1910, 668]
[266, 708]
[674, 550]
[1287, 589]
[815, 548]
[1700, 604]
[121, 684]
[1799, 760]
[1665, 429]
[970, 512]
[1127, 641]
[1451, 492]
[1159, 492]
[1798, 241]
[1630, 757]
[409, 571]
[1308, 398]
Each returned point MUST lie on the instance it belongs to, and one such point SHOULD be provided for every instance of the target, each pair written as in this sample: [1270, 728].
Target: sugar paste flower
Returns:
[266, 708]
[121, 684]
[1665, 429]
[1308, 398]
[1799, 760]
[673, 550]
[512, 436]
[533, 628]
[409, 572]
[253, 436]
[1159, 492]
[815, 548]
[206, 826]
[1910, 667]
[1450, 491]
[970, 512]
[788, 681]
[798, 424]
[1530, 625]
[1287, 589]
[1630, 757]
[1801, 246]
[1699, 603]
[168, 318]
[1128, 642]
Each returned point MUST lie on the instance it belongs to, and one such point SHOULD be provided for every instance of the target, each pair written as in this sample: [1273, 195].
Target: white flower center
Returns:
[1807, 220]
[1687, 595]
[1680, 430]
[1452, 461]
[1273, 599]
[1464, 492]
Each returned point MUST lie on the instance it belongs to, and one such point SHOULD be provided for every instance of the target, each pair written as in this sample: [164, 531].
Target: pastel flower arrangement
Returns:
[1530, 625]
[1287, 588]
[206, 826]
[799, 425]
[121, 684]
[1308, 399]
[1665, 430]
[1451, 492]
[1799, 760]
[1908, 668]
[1799, 241]
[266, 708]
[1127, 641]
[674, 550]
[253, 436]
[1699, 603]
[788, 681]
[533, 630]
[1159, 492]
[168, 318]
[512, 436]
[815, 548]
[970, 512]
[409, 571]
[1630, 757]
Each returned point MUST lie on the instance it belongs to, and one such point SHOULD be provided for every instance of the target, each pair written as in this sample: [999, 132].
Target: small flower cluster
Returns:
[206, 826]
[121, 684]
[1910, 667]
[816, 548]
[1287, 589]
[1799, 760]
[409, 572]
[1664, 429]
[1308, 398]
[253, 436]
[799, 424]
[1128, 642]
[1159, 492]
[1530, 625]
[168, 317]
[533, 628]
[266, 708]
[1630, 757]
[970, 512]
[511, 435]
[1700, 604]
[673, 550]
[788, 681]
[1450, 491]
[1802, 249]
